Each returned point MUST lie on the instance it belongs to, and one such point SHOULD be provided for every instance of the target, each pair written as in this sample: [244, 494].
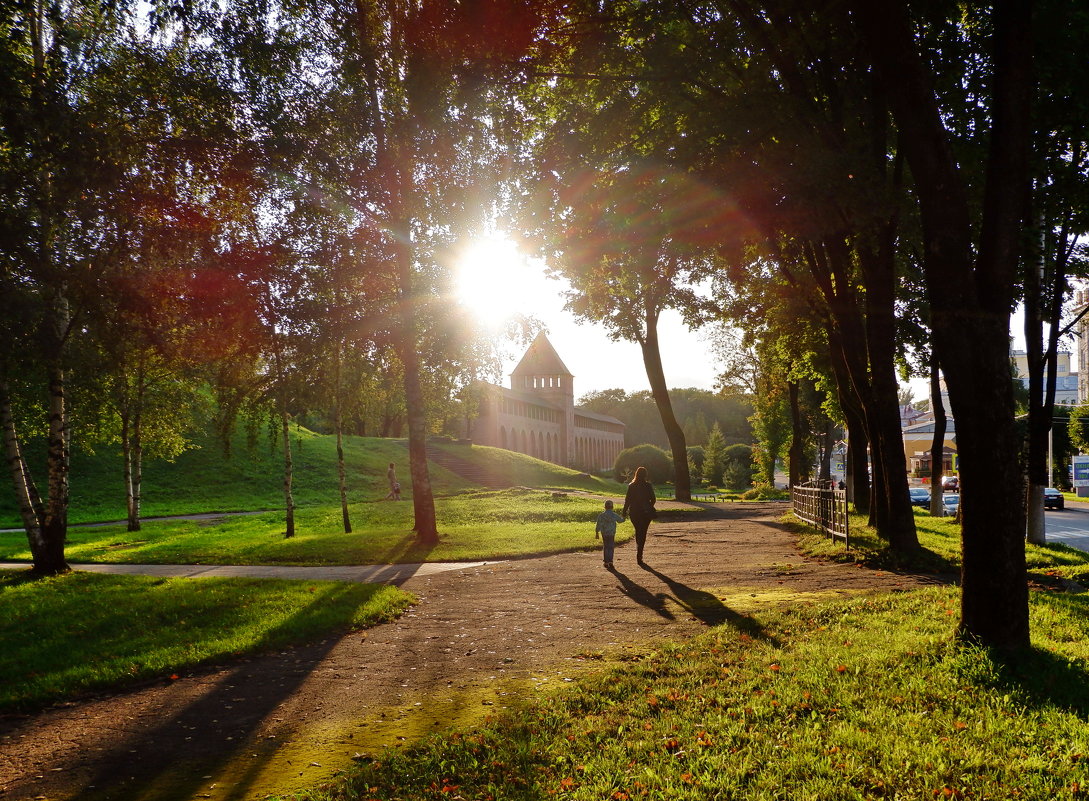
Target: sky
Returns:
[496, 281]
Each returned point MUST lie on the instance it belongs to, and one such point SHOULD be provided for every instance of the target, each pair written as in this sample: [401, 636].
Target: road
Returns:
[1070, 526]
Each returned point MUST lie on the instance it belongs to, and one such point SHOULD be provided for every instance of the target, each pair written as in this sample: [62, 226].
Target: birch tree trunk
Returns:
[31, 510]
[338, 426]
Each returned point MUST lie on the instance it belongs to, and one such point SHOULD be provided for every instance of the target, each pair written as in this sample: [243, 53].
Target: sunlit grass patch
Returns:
[939, 541]
[81, 631]
[481, 525]
[864, 698]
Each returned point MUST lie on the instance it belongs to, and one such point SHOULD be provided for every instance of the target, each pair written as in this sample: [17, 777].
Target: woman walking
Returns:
[639, 507]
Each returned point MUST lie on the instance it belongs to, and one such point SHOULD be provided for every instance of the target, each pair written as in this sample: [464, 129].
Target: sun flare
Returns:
[494, 281]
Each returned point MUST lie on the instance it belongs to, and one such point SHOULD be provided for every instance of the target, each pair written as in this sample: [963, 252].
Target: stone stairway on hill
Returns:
[466, 469]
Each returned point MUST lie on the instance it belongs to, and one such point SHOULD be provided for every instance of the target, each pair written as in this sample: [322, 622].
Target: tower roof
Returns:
[541, 359]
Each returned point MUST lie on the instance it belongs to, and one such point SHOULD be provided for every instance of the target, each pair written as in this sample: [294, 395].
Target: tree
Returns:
[970, 281]
[714, 457]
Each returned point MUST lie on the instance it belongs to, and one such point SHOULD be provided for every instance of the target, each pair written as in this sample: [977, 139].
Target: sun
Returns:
[494, 281]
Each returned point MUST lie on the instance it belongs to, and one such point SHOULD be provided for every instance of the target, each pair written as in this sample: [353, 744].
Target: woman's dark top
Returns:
[639, 501]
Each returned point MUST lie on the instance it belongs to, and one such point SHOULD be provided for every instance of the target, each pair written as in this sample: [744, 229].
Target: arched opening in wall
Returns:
[548, 447]
[522, 442]
[502, 437]
[534, 448]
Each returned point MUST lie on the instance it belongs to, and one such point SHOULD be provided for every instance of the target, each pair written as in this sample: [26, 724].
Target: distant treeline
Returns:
[697, 410]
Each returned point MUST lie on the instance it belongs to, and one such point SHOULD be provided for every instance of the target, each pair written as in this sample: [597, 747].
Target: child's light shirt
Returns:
[606, 523]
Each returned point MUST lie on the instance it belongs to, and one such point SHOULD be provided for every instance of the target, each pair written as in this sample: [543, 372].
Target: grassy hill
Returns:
[206, 480]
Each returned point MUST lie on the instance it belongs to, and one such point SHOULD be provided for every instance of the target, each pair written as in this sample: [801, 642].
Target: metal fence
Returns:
[822, 507]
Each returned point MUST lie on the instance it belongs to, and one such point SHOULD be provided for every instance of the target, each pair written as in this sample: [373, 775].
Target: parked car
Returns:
[919, 497]
[950, 502]
[950, 484]
[1053, 499]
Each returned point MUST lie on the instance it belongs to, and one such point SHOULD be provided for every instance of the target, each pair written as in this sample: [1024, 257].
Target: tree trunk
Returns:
[289, 498]
[31, 510]
[796, 454]
[971, 288]
[339, 427]
[857, 464]
[937, 443]
[652, 361]
[50, 561]
[828, 438]
[137, 461]
[879, 274]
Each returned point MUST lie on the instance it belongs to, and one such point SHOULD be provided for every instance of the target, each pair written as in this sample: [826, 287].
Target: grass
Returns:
[939, 540]
[251, 478]
[79, 632]
[862, 699]
[483, 525]
[524, 470]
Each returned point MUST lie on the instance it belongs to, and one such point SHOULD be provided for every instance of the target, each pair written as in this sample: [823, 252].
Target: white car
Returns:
[950, 503]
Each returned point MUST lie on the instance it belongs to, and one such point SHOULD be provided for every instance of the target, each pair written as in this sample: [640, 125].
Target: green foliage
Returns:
[764, 492]
[57, 645]
[737, 470]
[1078, 428]
[696, 458]
[695, 407]
[781, 704]
[714, 457]
[658, 463]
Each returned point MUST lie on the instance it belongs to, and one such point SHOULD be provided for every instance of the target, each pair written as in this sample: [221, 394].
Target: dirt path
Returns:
[479, 639]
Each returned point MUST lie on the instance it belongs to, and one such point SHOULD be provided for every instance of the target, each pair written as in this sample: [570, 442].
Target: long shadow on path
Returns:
[707, 608]
[185, 752]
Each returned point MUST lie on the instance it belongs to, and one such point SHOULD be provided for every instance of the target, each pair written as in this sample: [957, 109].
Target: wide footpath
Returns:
[482, 636]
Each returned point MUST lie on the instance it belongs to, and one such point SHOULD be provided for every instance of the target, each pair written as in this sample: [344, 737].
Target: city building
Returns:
[1066, 382]
[537, 415]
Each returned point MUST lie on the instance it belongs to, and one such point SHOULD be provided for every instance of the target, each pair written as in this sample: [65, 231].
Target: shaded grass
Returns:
[866, 698]
[484, 525]
[939, 540]
[78, 632]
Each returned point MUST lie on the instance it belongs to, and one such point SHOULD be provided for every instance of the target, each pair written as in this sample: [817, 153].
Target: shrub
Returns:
[737, 466]
[658, 463]
[763, 492]
[695, 462]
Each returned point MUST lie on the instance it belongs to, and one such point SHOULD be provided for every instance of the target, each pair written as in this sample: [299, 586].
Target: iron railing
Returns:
[823, 507]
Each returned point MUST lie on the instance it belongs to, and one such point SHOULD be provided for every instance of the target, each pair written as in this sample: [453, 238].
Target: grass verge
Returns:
[939, 540]
[866, 698]
[484, 525]
[79, 632]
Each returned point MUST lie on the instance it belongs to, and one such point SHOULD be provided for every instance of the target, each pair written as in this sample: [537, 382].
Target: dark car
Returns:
[1053, 499]
[950, 484]
[919, 497]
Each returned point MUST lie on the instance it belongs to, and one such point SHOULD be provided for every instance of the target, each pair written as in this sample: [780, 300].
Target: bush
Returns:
[737, 466]
[763, 492]
[695, 462]
[658, 463]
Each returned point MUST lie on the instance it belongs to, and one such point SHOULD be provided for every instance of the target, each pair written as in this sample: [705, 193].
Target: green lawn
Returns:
[79, 632]
[483, 525]
[939, 538]
[862, 699]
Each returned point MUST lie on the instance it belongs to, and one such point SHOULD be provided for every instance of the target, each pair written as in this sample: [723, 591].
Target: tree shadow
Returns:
[187, 750]
[708, 609]
[1041, 679]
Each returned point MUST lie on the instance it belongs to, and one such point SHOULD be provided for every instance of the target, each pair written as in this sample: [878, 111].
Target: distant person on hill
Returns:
[606, 529]
[394, 487]
[639, 506]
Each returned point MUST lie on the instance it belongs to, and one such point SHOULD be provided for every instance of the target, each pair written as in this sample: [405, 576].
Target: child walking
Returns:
[606, 529]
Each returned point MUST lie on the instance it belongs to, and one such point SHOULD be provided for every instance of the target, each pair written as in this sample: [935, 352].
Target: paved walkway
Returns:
[374, 574]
